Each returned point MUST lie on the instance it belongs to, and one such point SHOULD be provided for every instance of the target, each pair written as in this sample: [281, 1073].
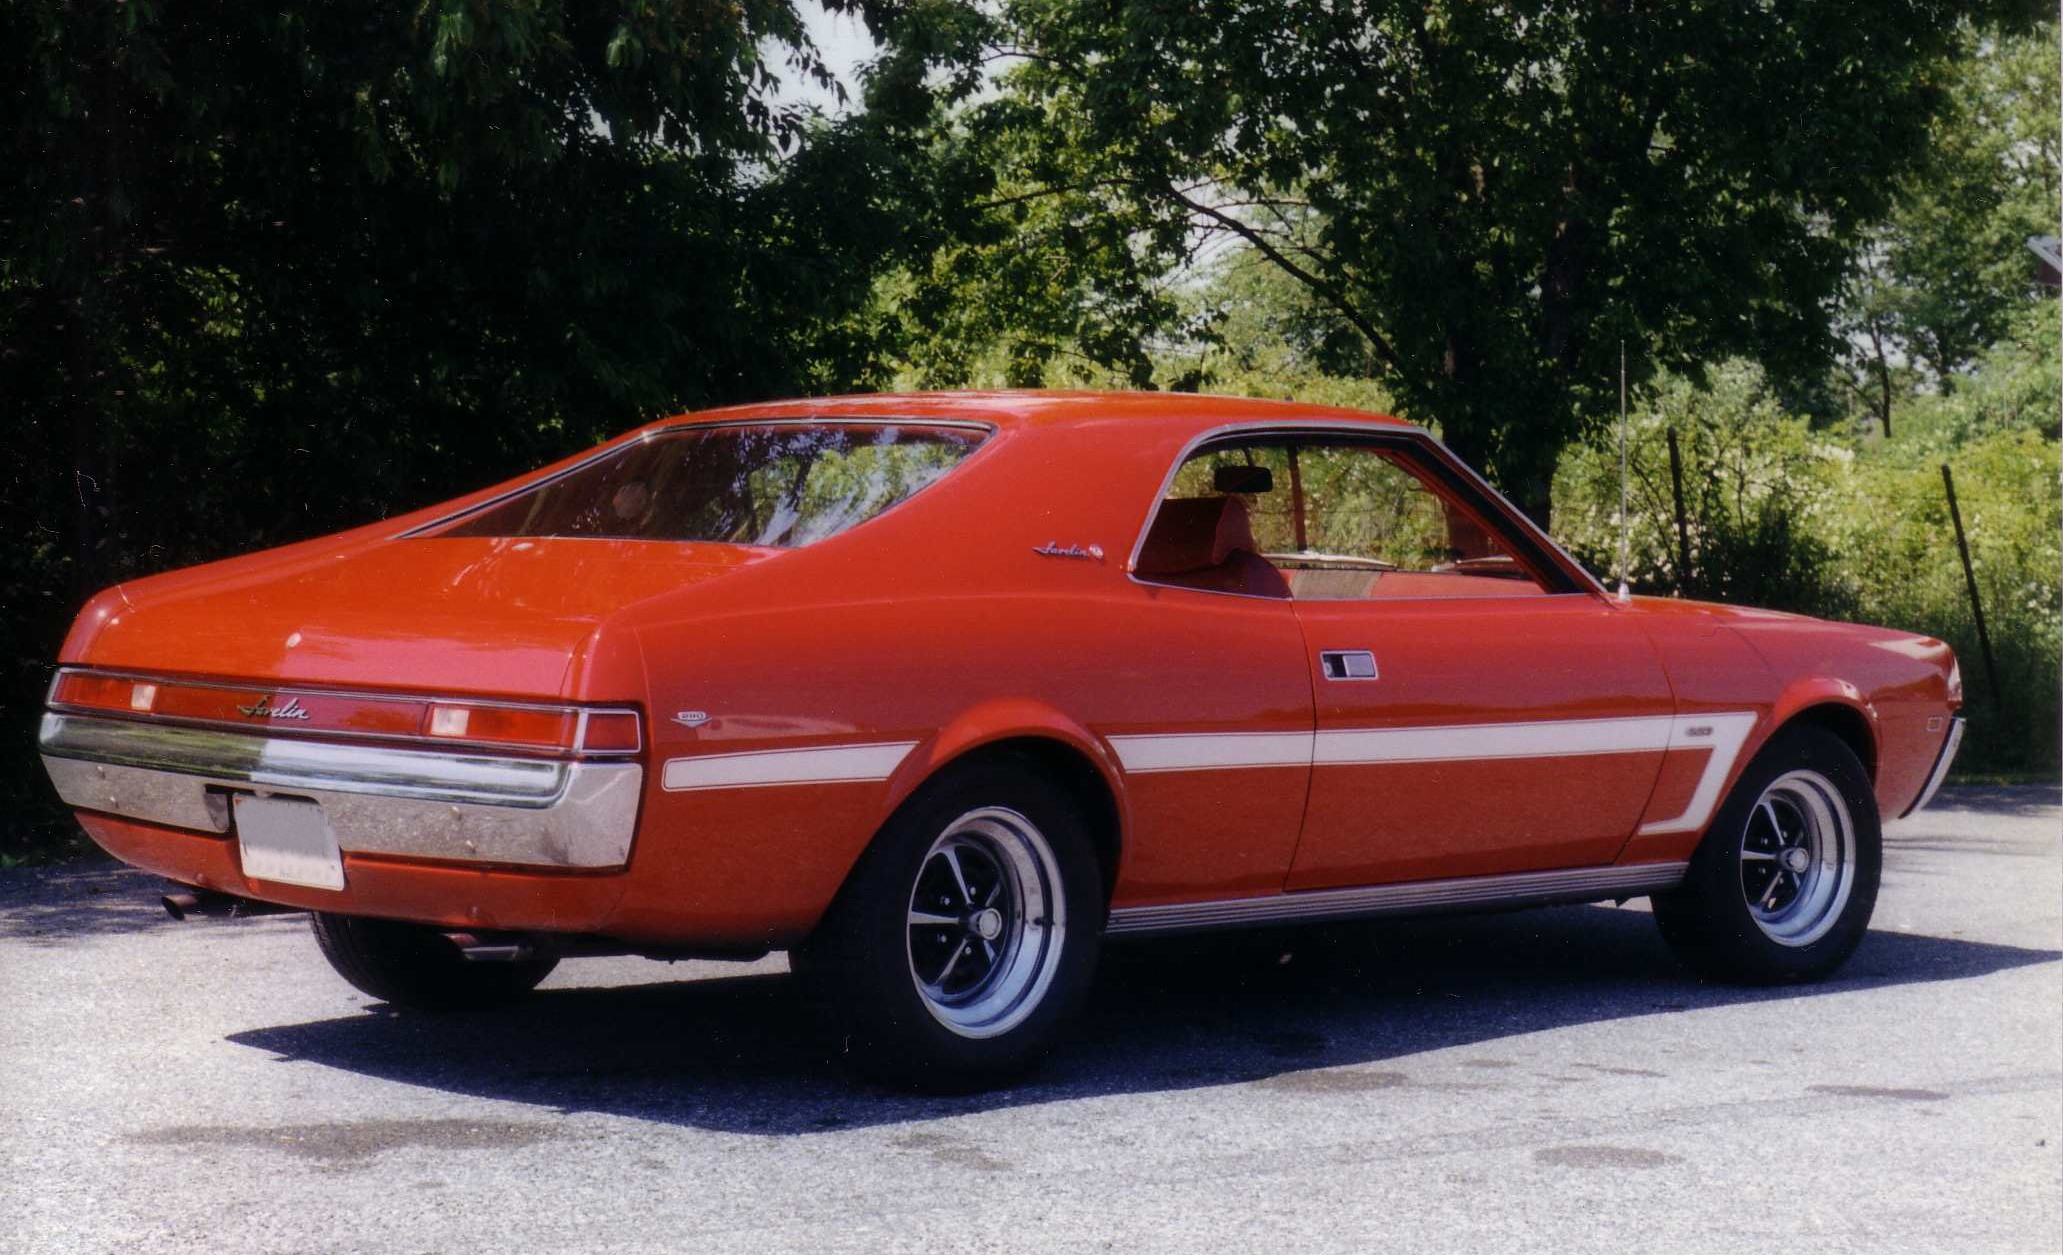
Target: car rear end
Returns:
[459, 811]
[441, 721]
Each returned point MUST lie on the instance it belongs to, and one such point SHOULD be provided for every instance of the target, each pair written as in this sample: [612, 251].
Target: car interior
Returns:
[1321, 523]
[1208, 543]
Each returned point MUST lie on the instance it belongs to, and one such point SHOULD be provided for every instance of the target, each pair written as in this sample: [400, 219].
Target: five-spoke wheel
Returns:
[987, 922]
[1797, 860]
[1783, 884]
[966, 935]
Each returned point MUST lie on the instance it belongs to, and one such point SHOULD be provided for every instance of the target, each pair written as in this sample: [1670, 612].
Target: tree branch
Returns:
[1043, 192]
[1329, 291]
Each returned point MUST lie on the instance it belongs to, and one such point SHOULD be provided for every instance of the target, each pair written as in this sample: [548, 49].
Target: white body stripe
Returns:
[1560, 738]
[829, 765]
[1212, 751]
[1723, 734]
[1726, 734]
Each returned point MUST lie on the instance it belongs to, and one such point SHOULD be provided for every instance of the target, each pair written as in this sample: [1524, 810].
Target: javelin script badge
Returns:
[264, 709]
[1054, 549]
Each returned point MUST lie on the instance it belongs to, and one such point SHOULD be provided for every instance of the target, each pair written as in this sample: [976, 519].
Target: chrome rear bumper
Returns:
[378, 800]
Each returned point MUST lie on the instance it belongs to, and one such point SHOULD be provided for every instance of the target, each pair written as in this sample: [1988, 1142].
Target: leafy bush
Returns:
[1901, 565]
[1758, 486]
[1783, 516]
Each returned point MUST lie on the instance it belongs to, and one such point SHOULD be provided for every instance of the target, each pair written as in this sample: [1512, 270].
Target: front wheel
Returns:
[1783, 885]
[967, 935]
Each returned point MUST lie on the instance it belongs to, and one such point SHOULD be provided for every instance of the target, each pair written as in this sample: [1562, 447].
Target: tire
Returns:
[1782, 887]
[413, 966]
[966, 936]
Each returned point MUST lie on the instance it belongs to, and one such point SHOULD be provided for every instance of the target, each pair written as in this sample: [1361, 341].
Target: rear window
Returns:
[772, 484]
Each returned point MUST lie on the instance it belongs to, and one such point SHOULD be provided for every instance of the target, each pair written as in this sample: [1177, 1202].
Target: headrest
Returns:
[1466, 538]
[1195, 533]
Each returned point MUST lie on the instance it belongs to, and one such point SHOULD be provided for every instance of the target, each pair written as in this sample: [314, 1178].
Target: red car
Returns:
[940, 692]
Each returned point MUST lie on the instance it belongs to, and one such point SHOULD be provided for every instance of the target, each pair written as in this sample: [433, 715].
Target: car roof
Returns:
[1030, 408]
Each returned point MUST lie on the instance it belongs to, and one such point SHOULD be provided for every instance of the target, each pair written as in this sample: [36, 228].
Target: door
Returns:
[1477, 709]
[1211, 720]
[1494, 735]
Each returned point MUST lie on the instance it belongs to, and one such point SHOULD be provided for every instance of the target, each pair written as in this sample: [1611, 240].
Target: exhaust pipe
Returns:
[207, 903]
[505, 948]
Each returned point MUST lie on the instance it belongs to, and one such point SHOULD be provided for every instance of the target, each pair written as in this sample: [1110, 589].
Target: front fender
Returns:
[1820, 690]
[1804, 694]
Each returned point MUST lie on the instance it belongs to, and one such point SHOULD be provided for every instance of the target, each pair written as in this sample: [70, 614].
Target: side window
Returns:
[1330, 522]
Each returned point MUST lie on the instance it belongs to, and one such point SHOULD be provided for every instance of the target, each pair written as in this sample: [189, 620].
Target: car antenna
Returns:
[1625, 593]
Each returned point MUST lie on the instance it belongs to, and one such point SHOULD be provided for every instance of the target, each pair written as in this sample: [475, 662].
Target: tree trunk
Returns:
[1530, 485]
[94, 248]
[1883, 375]
[82, 374]
[1527, 480]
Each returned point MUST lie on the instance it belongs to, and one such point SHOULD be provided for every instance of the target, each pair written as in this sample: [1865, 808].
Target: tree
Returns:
[266, 271]
[1493, 197]
[1945, 275]
[400, 248]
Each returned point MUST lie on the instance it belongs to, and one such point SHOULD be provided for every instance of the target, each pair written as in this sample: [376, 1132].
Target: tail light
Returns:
[565, 729]
[546, 729]
[549, 729]
[102, 692]
[613, 732]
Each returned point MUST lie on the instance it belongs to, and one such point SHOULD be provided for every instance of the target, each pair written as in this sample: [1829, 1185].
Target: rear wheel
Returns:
[967, 935]
[414, 966]
[1784, 883]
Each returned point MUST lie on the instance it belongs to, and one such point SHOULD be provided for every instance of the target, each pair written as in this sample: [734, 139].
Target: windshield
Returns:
[775, 484]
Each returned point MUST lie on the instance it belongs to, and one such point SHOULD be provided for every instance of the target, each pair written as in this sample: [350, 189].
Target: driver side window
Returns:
[1328, 522]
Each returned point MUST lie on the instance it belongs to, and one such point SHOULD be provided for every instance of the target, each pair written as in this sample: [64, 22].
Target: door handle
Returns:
[1347, 664]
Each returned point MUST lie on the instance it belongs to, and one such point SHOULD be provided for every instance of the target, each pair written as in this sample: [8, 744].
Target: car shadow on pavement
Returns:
[2025, 800]
[1306, 1010]
[52, 906]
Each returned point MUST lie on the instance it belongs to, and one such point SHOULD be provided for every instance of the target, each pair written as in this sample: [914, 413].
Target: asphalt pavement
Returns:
[1539, 1081]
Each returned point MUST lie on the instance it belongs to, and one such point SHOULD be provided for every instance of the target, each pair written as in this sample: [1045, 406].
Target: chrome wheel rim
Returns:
[987, 919]
[1797, 857]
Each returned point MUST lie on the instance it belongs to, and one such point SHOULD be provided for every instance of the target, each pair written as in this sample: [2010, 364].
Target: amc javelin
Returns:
[938, 693]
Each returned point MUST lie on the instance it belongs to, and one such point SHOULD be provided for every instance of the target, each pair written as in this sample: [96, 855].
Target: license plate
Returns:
[287, 841]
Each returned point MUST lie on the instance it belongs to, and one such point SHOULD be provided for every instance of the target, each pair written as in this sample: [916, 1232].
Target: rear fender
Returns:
[1000, 720]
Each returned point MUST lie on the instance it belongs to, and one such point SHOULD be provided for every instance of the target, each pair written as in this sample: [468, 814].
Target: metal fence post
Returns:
[1683, 531]
[1955, 513]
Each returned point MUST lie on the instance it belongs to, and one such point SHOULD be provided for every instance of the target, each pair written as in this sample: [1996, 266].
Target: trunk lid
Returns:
[493, 616]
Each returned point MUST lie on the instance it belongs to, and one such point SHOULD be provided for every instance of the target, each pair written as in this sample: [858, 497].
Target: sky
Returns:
[845, 44]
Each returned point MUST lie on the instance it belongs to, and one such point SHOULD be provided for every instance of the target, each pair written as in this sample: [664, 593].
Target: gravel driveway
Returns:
[1547, 1080]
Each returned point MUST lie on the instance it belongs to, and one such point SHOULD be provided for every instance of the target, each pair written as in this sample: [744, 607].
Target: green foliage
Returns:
[268, 271]
[1785, 517]
[1899, 547]
[1493, 197]
[1758, 488]
[1948, 272]
[1998, 432]
[1255, 331]
[2013, 386]
[1039, 287]
[1036, 294]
